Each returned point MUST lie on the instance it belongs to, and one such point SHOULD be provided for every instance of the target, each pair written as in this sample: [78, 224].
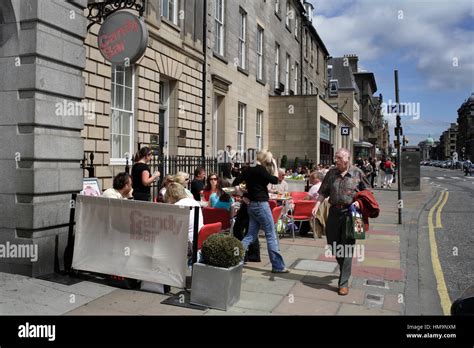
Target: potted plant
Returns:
[217, 279]
[296, 183]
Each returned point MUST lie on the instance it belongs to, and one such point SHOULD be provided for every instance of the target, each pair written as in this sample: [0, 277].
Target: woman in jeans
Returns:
[257, 179]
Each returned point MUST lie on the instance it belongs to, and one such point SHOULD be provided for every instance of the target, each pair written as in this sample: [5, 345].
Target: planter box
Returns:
[216, 287]
[296, 185]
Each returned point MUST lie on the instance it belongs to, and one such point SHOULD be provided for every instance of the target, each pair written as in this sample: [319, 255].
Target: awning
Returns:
[363, 144]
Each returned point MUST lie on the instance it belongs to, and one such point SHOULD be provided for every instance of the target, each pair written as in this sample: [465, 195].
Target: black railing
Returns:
[173, 164]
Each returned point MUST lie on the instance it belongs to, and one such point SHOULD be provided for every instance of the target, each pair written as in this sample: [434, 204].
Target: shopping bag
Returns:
[354, 224]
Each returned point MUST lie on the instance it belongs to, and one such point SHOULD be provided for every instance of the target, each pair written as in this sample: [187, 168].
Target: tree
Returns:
[284, 162]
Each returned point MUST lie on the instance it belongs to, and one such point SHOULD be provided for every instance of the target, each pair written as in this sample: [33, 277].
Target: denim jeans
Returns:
[260, 217]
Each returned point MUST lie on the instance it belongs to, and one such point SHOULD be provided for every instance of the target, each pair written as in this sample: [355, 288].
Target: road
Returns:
[452, 232]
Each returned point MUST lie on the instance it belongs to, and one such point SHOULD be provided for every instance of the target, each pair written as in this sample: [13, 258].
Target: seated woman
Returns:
[175, 194]
[162, 194]
[183, 179]
[282, 186]
[211, 186]
[221, 199]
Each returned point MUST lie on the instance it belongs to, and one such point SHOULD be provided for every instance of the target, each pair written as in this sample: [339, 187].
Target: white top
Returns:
[113, 193]
[191, 202]
[313, 191]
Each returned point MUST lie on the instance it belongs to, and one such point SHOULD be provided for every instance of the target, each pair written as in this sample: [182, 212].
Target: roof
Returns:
[367, 76]
[343, 74]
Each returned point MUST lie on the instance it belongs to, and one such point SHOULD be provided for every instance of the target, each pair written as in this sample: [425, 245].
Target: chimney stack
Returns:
[353, 62]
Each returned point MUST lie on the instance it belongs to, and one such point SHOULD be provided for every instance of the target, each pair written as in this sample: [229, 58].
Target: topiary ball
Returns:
[222, 250]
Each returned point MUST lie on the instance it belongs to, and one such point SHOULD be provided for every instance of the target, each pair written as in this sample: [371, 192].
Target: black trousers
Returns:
[343, 249]
[241, 226]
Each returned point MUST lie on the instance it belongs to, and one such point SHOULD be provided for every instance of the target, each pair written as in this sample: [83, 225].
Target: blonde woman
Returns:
[183, 179]
[257, 179]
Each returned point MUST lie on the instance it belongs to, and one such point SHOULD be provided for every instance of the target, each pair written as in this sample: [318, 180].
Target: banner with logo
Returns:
[132, 239]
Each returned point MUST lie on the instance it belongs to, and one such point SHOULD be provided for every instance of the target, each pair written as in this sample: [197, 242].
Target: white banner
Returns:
[132, 239]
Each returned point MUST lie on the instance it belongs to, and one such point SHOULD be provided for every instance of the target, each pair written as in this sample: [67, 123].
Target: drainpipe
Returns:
[204, 84]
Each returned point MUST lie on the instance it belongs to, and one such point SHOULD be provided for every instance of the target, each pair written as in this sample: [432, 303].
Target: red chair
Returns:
[303, 211]
[272, 203]
[208, 230]
[276, 213]
[298, 196]
[213, 215]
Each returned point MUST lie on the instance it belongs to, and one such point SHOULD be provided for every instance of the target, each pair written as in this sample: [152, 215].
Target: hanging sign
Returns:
[123, 38]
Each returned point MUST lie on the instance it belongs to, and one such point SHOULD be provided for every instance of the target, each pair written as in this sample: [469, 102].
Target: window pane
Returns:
[115, 142]
[119, 97]
[128, 77]
[119, 75]
[115, 122]
[128, 99]
[165, 8]
[125, 122]
[125, 146]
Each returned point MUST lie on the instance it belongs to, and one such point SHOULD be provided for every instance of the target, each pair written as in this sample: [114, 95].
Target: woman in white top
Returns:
[183, 179]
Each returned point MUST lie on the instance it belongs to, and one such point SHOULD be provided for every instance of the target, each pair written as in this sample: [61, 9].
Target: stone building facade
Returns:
[156, 102]
[42, 58]
[465, 140]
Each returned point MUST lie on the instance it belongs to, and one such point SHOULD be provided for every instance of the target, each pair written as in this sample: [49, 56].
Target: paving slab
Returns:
[306, 306]
[352, 309]
[258, 301]
[267, 285]
[315, 266]
[325, 292]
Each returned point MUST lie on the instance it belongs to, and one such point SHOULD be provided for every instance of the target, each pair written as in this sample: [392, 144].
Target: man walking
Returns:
[340, 185]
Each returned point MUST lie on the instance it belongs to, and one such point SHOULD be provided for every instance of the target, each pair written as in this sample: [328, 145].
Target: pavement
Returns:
[377, 285]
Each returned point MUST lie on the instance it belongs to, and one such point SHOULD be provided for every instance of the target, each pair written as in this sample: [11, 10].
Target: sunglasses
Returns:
[213, 179]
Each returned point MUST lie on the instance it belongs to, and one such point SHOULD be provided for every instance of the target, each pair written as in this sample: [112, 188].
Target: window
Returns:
[241, 128]
[259, 130]
[289, 13]
[259, 53]
[219, 22]
[317, 59]
[310, 88]
[333, 88]
[169, 10]
[297, 27]
[312, 55]
[287, 75]
[243, 40]
[305, 86]
[277, 66]
[121, 107]
[297, 68]
[306, 43]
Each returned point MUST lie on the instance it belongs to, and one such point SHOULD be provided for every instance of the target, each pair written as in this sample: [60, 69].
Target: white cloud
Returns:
[425, 33]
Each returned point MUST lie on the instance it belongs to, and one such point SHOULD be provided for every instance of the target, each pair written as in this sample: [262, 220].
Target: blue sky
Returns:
[429, 42]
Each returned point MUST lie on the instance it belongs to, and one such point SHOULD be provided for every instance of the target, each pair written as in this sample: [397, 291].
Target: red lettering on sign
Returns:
[111, 45]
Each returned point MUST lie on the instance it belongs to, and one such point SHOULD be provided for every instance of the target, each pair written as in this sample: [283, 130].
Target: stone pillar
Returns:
[42, 57]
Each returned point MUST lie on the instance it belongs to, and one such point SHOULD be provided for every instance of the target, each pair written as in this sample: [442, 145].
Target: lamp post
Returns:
[398, 133]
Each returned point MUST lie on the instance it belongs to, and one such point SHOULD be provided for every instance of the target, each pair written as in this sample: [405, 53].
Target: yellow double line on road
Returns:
[438, 271]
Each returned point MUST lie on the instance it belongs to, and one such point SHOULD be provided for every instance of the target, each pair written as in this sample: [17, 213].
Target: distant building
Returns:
[428, 149]
[465, 138]
[448, 142]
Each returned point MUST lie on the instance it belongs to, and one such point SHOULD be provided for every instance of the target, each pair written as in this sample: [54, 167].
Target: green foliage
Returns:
[297, 162]
[284, 162]
[221, 250]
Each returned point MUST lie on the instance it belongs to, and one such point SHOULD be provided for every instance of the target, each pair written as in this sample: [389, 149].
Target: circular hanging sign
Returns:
[123, 38]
